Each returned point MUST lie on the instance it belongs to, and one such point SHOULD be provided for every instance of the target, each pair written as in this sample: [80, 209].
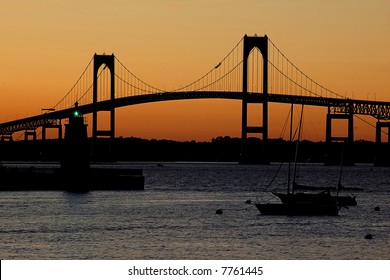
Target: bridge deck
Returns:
[378, 109]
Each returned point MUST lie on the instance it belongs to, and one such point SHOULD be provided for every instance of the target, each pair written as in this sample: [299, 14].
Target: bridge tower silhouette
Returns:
[334, 149]
[109, 62]
[382, 148]
[249, 44]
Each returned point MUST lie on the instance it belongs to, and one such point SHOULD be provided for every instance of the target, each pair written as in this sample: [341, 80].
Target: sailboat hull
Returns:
[297, 209]
[346, 200]
[319, 198]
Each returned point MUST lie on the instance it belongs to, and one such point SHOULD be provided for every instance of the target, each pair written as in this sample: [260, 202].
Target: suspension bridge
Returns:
[254, 71]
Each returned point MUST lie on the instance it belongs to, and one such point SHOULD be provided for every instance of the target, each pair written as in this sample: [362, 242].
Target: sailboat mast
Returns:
[296, 149]
[289, 156]
[340, 171]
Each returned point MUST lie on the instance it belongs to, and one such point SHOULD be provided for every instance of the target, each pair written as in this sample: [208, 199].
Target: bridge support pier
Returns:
[6, 137]
[252, 151]
[98, 153]
[47, 126]
[379, 126]
[335, 151]
[382, 150]
[31, 133]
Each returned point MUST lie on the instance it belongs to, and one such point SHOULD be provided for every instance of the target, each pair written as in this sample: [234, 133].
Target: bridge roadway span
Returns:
[378, 109]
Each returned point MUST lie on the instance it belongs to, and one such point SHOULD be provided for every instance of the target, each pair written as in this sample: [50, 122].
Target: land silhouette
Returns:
[219, 149]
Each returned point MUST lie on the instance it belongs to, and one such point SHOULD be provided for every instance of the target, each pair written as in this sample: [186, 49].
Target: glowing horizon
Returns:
[170, 43]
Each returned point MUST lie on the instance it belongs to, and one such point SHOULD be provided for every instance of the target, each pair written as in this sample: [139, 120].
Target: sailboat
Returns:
[293, 203]
[342, 200]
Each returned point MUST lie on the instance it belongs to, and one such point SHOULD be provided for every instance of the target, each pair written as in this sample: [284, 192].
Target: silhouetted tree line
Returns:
[222, 148]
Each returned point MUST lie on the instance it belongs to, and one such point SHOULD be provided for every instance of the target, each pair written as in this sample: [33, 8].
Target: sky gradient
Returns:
[45, 45]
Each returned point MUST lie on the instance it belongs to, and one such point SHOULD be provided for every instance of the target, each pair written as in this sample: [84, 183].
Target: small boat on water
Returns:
[341, 200]
[298, 209]
[344, 200]
[300, 203]
[315, 188]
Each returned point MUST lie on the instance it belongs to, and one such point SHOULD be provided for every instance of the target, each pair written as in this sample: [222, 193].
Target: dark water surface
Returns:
[175, 217]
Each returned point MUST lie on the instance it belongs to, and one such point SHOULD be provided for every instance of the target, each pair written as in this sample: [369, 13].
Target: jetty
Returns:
[75, 173]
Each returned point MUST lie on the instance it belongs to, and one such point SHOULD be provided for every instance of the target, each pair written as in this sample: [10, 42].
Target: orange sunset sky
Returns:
[45, 45]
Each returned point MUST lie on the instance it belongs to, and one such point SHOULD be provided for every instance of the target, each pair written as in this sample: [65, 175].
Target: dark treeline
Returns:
[218, 149]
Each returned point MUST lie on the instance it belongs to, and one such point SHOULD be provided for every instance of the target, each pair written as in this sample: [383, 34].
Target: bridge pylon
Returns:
[57, 126]
[6, 137]
[382, 150]
[248, 151]
[28, 133]
[109, 62]
[339, 148]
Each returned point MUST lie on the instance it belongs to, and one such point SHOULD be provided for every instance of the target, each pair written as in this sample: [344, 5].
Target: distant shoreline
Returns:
[219, 149]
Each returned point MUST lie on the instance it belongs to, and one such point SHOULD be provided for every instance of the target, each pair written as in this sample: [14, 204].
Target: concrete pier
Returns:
[75, 173]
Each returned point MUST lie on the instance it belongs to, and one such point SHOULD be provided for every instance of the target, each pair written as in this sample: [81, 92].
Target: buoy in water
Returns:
[248, 201]
[368, 236]
[219, 211]
[377, 208]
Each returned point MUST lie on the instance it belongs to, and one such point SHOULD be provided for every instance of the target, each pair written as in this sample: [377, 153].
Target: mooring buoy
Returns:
[368, 236]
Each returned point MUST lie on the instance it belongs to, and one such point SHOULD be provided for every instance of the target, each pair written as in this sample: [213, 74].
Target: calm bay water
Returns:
[175, 217]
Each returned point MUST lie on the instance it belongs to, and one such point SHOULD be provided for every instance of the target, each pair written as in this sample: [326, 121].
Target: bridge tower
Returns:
[56, 125]
[334, 150]
[109, 62]
[247, 151]
[382, 156]
[29, 133]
